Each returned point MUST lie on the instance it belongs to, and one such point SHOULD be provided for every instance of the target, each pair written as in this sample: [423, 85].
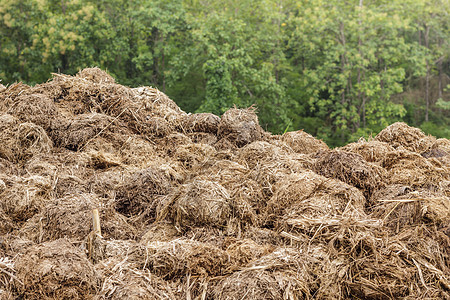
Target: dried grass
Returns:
[309, 195]
[217, 208]
[142, 192]
[71, 217]
[181, 256]
[198, 203]
[352, 169]
[400, 134]
[202, 138]
[56, 270]
[25, 197]
[411, 169]
[302, 142]
[240, 126]
[372, 151]
[201, 122]
[20, 141]
[399, 206]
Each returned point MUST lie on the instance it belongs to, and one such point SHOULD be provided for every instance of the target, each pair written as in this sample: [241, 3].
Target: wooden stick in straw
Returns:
[96, 221]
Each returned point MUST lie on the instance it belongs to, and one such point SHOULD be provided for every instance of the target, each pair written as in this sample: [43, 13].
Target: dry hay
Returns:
[202, 138]
[6, 224]
[302, 142]
[283, 274]
[158, 127]
[352, 169]
[8, 95]
[142, 192]
[38, 109]
[137, 151]
[198, 203]
[244, 251]
[259, 152]
[8, 168]
[90, 90]
[103, 183]
[201, 122]
[95, 75]
[71, 217]
[415, 255]
[2, 87]
[181, 257]
[224, 144]
[25, 197]
[400, 206]
[372, 150]
[160, 232]
[172, 142]
[411, 169]
[84, 128]
[440, 151]
[20, 141]
[246, 194]
[309, 195]
[66, 170]
[146, 103]
[193, 156]
[56, 270]
[400, 134]
[262, 236]
[240, 126]
[122, 282]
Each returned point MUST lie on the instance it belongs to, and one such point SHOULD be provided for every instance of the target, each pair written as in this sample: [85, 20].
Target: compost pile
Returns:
[199, 206]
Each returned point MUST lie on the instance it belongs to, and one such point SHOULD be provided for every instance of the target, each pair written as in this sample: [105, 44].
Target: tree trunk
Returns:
[427, 78]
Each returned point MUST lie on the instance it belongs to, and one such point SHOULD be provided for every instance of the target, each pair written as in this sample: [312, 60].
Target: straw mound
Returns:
[198, 203]
[20, 141]
[95, 75]
[56, 270]
[71, 217]
[133, 284]
[83, 128]
[240, 126]
[409, 168]
[202, 122]
[160, 232]
[194, 155]
[313, 195]
[352, 169]
[193, 206]
[137, 151]
[282, 274]
[142, 192]
[66, 170]
[246, 195]
[159, 127]
[372, 150]
[400, 134]
[2, 87]
[25, 197]
[202, 138]
[258, 152]
[178, 257]
[302, 142]
[173, 141]
[244, 251]
[399, 206]
[38, 109]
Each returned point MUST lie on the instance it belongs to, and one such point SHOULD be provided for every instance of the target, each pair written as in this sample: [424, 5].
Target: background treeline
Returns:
[338, 69]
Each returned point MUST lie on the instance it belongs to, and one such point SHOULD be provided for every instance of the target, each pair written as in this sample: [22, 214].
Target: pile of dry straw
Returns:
[197, 206]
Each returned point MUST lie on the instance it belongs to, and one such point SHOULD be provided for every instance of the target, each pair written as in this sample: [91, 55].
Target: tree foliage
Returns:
[338, 69]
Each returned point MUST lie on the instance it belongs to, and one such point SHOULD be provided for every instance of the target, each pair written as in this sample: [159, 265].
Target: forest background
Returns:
[337, 69]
